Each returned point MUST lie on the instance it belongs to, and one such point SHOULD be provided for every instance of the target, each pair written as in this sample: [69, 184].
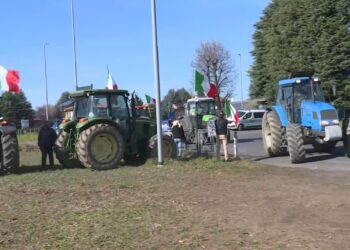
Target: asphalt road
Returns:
[250, 146]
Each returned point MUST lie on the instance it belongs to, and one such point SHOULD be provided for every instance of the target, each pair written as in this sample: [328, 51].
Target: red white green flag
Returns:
[9, 80]
[231, 112]
[203, 87]
[150, 100]
[111, 84]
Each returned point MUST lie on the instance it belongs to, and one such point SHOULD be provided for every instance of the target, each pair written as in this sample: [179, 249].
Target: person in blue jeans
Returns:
[178, 136]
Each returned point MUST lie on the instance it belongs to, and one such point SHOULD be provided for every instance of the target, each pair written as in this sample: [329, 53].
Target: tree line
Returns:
[296, 35]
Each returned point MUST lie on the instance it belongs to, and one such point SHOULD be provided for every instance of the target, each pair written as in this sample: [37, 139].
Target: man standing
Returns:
[46, 140]
[221, 135]
[178, 136]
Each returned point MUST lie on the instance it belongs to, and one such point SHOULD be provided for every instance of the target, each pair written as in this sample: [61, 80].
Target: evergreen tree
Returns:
[16, 107]
[296, 35]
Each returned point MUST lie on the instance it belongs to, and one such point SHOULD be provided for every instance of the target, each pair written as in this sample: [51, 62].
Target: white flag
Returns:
[111, 84]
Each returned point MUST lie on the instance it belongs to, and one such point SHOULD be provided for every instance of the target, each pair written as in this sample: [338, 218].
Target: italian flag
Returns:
[111, 84]
[230, 111]
[150, 100]
[9, 80]
[204, 87]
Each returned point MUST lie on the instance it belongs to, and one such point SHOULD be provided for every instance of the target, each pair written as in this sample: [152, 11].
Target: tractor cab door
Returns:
[120, 113]
[285, 100]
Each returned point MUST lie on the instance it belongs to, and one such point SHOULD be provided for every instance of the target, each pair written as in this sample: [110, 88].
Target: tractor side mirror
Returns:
[334, 90]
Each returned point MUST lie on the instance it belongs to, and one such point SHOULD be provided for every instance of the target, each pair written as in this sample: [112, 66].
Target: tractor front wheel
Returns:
[169, 147]
[10, 153]
[100, 147]
[272, 134]
[295, 139]
[62, 152]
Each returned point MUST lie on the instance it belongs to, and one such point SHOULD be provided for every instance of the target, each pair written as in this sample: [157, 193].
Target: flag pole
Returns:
[157, 82]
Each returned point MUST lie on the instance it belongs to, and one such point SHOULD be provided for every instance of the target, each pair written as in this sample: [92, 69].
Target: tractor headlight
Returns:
[324, 123]
[335, 122]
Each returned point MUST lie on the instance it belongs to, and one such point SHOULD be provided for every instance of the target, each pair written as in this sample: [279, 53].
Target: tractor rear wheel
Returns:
[295, 139]
[10, 153]
[326, 147]
[100, 147]
[272, 134]
[62, 152]
[169, 147]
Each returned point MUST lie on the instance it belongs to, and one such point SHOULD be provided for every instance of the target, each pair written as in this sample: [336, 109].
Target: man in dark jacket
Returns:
[221, 135]
[46, 140]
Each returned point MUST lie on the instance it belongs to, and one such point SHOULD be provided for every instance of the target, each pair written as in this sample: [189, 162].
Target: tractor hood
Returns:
[317, 115]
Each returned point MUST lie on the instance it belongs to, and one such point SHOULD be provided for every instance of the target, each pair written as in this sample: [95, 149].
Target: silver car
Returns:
[250, 118]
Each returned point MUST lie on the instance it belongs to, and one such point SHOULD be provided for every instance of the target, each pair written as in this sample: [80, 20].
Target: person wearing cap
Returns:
[178, 136]
[46, 140]
[221, 135]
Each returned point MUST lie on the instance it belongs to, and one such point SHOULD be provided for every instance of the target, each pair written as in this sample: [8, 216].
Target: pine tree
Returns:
[296, 35]
[16, 107]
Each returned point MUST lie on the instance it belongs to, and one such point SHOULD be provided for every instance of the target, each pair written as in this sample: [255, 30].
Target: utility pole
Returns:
[157, 82]
[74, 47]
[47, 99]
[240, 69]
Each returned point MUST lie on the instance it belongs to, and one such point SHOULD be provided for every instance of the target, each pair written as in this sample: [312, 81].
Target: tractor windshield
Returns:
[92, 106]
[206, 108]
[303, 91]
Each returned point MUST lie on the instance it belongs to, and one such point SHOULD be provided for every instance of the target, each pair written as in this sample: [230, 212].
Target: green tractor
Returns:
[103, 130]
[9, 150]
[198, 111]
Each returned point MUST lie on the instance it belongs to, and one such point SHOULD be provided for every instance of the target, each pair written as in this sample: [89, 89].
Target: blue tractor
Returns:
[300, 116]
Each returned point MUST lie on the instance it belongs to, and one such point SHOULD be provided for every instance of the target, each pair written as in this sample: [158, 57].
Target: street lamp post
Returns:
[240, 69]
[47, 99]
[74, 47]
[157, 82]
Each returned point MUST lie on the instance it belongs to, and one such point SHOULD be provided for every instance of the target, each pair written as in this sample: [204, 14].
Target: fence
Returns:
[27, 130]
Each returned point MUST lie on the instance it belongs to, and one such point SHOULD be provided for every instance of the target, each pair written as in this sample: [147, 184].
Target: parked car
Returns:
[250, 118]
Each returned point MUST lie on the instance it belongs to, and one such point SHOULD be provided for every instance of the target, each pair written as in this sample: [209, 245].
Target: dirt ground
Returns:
[267, 208]
[199, 204]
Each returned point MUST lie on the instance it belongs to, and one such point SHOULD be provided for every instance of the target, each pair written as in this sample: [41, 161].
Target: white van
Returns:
[250, 118]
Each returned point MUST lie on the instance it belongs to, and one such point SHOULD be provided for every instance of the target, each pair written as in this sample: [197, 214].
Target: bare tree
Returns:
[214, 61]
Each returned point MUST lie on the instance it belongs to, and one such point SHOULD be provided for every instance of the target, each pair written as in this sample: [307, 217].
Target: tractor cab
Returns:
[199, 110]
[303, 102]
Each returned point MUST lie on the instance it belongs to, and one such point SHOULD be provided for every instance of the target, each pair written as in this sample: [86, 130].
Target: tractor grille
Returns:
[328, 114]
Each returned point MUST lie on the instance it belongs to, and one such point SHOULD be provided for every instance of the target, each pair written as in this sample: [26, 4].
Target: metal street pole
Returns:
[74, 47]
[157, 82]
[47, 99]
[240, 69]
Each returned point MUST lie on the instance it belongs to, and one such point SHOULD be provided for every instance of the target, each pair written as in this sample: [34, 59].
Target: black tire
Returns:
[240, 127]
[346, 136]
[63, 153]
[272, 134]
[295, 139]
[10, 153]
[326, 147]
[169, 147]
[347, 146]
[100, 147]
